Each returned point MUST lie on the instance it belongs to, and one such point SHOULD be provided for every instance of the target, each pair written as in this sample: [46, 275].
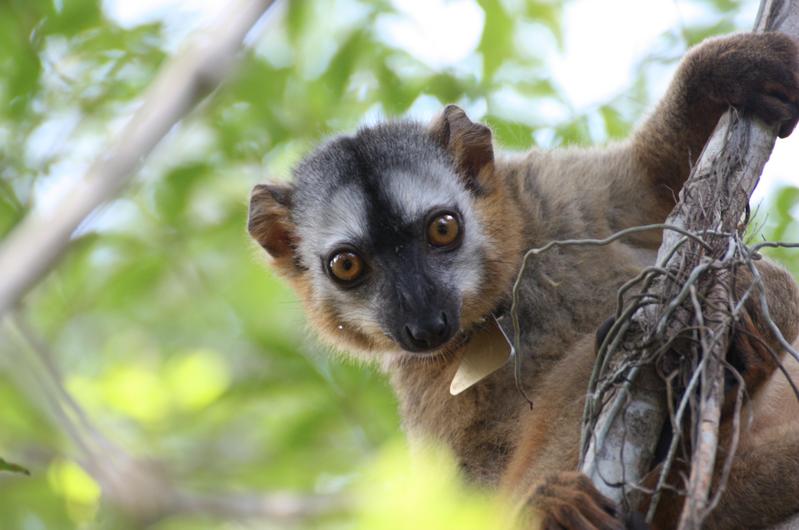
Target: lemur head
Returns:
[396, 238]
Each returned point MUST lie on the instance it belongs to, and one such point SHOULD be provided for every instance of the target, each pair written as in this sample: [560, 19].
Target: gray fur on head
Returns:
[374, 191]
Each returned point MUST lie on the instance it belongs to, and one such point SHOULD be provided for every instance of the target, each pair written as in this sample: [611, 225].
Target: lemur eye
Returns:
[345, 266]
[443, 230]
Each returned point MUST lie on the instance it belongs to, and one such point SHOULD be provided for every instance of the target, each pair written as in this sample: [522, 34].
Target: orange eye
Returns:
[443, 230]
[346, 266]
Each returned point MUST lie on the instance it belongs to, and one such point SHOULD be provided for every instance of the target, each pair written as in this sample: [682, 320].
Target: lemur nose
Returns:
[429, 333]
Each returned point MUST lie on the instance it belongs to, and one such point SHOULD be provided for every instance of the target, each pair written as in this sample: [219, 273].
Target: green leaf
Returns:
[550, 15]
[173, 192]
[695, 35]
[396, 94]
[510, 135]
[787, 199]
[344, 61]
[727, 6]
[74, 17]
[575, 132]
[13, 468]
[615, 124]
[299, 12]
[496, 44]
[446, 87]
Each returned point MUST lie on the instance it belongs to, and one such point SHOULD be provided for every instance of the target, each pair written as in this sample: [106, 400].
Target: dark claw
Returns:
[635, 521]
[787, 128]
[602, 332]
[568, 500]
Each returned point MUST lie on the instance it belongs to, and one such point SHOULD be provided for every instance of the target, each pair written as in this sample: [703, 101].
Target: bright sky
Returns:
[603, 42]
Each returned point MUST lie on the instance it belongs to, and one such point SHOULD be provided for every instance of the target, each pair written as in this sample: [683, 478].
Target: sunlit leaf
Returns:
[399, 492]
[496, 44]
[511, 135]
[548, 13]
[196, 379]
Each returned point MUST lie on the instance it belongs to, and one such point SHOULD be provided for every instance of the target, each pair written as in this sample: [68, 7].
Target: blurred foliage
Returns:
[12, 467]
[166, 326]
[424, 492]
[778, 220]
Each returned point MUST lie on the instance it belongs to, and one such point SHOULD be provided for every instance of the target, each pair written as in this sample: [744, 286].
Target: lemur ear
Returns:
[270, 220]
[469, 143]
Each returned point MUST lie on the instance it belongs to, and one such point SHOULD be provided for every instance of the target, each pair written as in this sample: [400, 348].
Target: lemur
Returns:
[403, 242]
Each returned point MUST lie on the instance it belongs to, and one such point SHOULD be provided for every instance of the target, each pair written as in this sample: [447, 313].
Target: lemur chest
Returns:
[480, 425]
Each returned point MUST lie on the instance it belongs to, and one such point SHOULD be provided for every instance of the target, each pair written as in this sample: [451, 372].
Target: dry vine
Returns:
[677, 316]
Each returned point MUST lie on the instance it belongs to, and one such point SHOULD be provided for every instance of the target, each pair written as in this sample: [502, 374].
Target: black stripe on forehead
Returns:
[385, 226]
[365, 162]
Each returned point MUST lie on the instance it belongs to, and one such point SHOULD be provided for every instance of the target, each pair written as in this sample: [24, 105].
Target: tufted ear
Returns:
[469, 143]
[270, 219]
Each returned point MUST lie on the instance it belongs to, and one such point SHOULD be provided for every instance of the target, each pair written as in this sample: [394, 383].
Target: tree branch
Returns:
[40, 239]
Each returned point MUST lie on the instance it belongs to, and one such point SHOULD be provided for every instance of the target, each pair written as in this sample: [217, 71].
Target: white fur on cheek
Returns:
[343, 218]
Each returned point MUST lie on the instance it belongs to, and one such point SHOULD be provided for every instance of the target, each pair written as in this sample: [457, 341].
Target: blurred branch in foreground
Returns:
[40, 239]
[141, 488]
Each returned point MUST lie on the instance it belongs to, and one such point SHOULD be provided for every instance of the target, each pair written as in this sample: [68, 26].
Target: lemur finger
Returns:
[780, 90]
[773, 110]
[787, 127]
[635, 521]
[582, 514]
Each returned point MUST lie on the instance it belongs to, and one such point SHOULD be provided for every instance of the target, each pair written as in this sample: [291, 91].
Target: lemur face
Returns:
[384, 235]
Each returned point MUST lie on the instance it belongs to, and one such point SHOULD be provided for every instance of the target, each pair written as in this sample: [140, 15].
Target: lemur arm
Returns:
[595, 192]
[754, 73]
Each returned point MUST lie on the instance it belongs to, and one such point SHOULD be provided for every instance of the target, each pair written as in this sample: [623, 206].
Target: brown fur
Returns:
[526, 201]
[500, 217]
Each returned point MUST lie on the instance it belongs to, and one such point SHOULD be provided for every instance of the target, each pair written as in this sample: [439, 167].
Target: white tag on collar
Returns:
[485, 353]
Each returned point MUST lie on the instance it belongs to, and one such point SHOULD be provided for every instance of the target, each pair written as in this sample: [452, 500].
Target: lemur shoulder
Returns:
[403, 242]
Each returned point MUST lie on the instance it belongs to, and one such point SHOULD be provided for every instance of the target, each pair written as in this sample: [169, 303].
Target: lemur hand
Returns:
[568, 500]
[754, 72]
[755, 351]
